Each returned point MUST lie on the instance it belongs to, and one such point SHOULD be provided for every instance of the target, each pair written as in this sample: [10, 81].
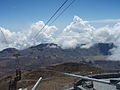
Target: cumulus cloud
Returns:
[45, 35]
[25, 38]
[76, 33]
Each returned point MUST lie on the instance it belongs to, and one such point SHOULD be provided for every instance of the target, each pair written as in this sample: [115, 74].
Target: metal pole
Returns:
[87, 78]
[37, 84]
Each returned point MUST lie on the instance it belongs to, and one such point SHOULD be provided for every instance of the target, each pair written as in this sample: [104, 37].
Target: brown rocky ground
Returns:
[53, 76]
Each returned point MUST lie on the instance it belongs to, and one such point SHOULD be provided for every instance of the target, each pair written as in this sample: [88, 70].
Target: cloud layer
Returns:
[26, 38]
[76, 33]
[105, 21]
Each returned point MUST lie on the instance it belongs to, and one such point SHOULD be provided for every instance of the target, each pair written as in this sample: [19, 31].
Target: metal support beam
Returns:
[37, 84]
[87, 78]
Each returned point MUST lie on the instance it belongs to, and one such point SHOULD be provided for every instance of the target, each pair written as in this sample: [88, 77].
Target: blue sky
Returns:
[18, 14]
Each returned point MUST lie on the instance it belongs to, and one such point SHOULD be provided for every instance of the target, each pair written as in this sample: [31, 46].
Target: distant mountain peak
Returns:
[105, 47]
[46, 45]
[9, 50]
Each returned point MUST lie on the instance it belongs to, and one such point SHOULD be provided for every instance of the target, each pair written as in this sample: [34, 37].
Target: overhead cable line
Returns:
[4, 37]
[61, 13]
[51, 17]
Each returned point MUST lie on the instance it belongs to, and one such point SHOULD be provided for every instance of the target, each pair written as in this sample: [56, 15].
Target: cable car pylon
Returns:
[13, 81]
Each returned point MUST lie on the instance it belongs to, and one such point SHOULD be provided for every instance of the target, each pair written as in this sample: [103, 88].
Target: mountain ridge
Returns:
[103, 47]
[48, 54]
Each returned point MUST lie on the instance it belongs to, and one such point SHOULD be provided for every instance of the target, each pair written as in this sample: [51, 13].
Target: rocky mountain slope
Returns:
[49, 53]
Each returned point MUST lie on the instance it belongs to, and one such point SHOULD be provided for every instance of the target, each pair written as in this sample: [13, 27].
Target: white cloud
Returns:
[69, 43]
[77, 32]
[24, 39]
